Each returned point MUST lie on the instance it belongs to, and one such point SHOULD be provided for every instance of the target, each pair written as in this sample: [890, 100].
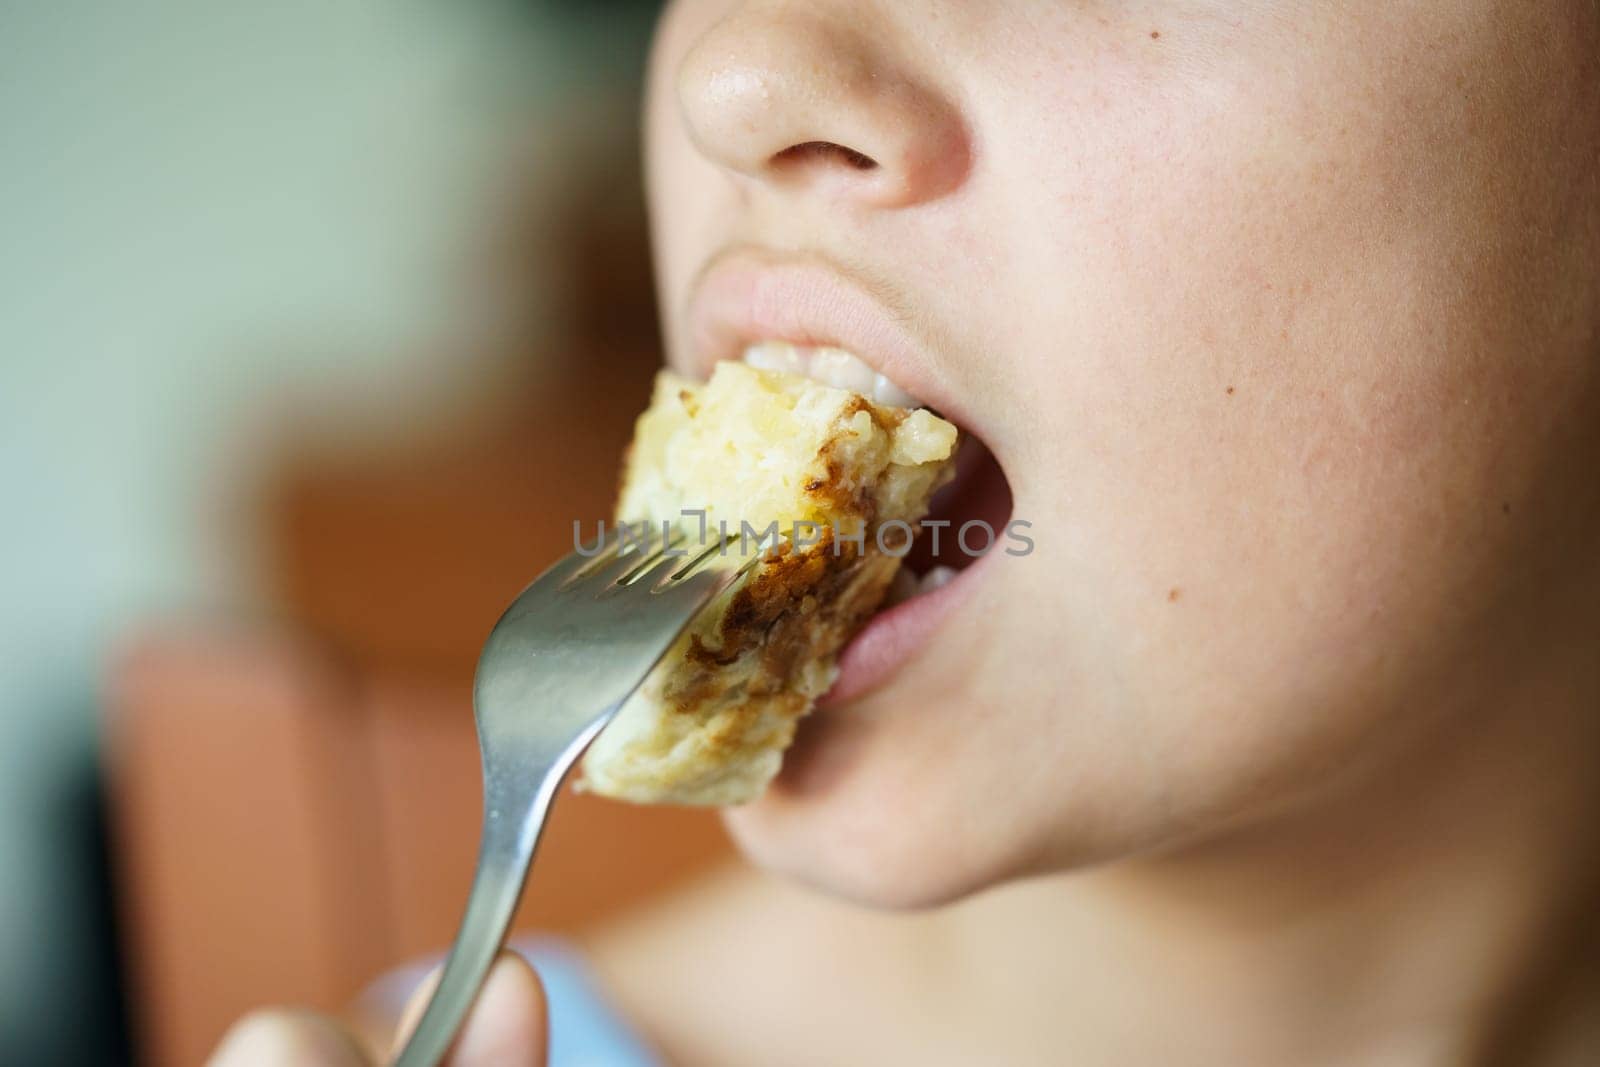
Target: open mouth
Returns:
[967, 521]
[787, 423]
[806, 314]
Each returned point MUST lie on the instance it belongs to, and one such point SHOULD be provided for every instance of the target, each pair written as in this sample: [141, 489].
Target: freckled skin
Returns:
[1376, 236]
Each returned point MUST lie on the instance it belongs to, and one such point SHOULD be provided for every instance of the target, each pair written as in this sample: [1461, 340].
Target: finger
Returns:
[287, 1039]
[374, 1016]
[507, 1026]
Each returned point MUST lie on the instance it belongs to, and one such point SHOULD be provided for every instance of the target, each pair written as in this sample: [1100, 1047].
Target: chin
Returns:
[865, 810]
[889, 871]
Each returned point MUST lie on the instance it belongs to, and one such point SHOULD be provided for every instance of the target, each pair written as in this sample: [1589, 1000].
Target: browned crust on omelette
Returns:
[711, 723]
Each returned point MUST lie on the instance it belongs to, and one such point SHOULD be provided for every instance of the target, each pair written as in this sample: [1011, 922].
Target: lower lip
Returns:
[894, 637]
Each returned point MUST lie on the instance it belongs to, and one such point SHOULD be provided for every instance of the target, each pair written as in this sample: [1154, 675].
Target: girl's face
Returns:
[1280, 317]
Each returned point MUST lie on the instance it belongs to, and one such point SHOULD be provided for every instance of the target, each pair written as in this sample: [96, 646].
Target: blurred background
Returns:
[320, 323]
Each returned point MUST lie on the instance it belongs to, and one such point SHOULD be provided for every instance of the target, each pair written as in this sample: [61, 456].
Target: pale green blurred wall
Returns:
[208, 208]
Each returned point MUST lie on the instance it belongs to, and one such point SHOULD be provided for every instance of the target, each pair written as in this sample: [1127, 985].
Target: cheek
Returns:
[1281, 338]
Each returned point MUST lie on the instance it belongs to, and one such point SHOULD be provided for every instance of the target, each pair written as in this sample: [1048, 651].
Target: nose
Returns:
[812, 100]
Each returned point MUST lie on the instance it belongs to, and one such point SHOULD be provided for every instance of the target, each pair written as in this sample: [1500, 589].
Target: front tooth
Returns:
[842, 370]
[778, 356]
[886, 392]
[829, 366]
[936, 577]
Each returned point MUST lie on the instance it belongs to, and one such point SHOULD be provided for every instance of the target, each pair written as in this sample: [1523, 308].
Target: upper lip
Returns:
[745, 295]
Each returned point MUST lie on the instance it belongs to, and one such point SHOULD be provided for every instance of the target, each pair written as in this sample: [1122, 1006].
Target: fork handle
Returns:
[515, 806]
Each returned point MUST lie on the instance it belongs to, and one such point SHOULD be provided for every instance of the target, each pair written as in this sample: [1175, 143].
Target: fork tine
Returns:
[696, 562]
[624, 546]
[659, 568]
[622, 562]
[579, 562]
[653, 558]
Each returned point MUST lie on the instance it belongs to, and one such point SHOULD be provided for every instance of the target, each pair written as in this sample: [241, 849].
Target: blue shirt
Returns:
[584, 1030]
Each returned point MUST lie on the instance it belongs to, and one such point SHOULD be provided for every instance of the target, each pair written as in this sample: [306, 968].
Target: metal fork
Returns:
[556, 667]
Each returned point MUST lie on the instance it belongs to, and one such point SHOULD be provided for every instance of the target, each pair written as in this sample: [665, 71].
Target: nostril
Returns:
[824, 151]
[797, 99]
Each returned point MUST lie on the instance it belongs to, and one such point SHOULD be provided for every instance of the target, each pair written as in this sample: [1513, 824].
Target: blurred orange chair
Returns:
[287, 829]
